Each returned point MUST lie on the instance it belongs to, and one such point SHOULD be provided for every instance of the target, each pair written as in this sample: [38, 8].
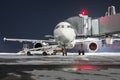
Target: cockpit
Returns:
[63, 25]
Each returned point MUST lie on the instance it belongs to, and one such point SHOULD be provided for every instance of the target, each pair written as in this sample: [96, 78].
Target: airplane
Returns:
[65, 37]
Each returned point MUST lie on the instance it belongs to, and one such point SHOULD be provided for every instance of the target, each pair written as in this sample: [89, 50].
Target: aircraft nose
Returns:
[65, 35]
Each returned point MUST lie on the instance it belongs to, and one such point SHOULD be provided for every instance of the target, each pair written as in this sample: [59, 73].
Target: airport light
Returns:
[83, 12]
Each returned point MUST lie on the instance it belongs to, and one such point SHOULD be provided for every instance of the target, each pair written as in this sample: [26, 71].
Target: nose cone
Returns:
[64, 35]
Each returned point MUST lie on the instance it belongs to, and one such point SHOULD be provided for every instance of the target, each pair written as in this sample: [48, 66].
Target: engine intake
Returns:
[37, 45]
[92, 47]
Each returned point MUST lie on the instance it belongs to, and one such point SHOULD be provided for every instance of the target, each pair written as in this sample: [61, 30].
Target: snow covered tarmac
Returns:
[98, 66]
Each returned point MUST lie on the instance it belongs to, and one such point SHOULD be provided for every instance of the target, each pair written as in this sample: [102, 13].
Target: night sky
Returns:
[32, 19]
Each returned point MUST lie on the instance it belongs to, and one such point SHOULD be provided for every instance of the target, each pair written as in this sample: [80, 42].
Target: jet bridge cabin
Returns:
[106, 25]
[109, 24]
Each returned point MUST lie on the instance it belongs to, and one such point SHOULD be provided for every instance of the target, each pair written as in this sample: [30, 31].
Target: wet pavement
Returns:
[87, 67]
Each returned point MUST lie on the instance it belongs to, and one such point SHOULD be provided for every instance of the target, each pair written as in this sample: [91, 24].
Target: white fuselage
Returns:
[64, 33]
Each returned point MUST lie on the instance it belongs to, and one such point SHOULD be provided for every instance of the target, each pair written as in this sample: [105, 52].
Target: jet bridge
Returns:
[84, 25]
[109, 24]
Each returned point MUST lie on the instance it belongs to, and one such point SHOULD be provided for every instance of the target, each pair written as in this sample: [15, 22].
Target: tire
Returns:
[81, 52]
[44, 53]
[65, 53]
[29, 53]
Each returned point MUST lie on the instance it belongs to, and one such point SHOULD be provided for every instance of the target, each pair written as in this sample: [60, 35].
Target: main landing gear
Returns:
[81, 52]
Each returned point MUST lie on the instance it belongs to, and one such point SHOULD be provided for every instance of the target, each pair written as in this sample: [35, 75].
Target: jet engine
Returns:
[37, 45]
[92, 47]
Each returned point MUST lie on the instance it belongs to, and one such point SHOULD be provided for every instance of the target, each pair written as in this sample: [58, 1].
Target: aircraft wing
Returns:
[87, 40]
[28, 40]
[108, 40]
[116, 39]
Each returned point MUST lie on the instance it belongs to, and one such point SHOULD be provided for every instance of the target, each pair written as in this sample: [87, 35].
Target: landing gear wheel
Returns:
[54, 53]
[65, 53]
[44, 53]
[81, 52]
[29, 53]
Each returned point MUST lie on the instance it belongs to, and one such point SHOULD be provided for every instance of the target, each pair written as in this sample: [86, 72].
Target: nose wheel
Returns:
[64, 51]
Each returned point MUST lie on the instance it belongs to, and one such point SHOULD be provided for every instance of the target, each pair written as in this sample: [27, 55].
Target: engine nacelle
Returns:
[92, 47]
[37, 45]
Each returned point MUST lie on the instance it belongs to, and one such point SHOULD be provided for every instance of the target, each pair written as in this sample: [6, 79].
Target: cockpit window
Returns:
[62, 26]
[69, 26]
[57, 27]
